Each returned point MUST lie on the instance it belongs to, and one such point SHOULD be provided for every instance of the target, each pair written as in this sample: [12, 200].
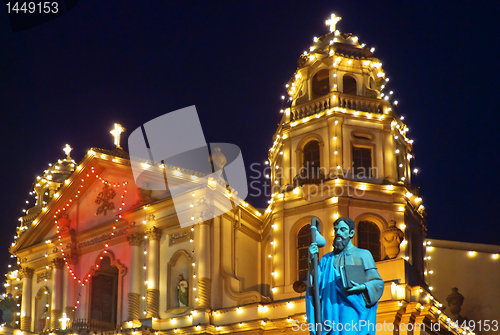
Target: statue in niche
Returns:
[8, 307]
[182, 292]
[43, 319]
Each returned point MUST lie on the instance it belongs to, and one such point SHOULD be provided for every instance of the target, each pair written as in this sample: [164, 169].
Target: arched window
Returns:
[369, 238]
[320, 83]
[303, 243]
[349, 85]
[311, 154]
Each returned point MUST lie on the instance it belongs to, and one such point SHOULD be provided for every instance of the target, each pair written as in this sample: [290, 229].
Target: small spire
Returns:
[116, 132]
[67, 150]
[332, 22]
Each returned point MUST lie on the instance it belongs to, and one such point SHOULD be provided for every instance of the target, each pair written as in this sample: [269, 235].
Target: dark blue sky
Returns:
[69, 80]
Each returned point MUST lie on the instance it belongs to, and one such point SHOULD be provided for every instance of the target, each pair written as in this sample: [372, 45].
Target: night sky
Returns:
[69, 80]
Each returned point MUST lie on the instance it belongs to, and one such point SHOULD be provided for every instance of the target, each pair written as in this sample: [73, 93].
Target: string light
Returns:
[84, 280]
[296, 191]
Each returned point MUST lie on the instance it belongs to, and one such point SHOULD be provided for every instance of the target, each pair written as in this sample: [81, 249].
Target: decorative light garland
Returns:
[272, 254]
[84, 280]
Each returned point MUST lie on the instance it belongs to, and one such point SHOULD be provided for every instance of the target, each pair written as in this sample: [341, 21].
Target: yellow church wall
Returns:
[471, 267]
[247, 262]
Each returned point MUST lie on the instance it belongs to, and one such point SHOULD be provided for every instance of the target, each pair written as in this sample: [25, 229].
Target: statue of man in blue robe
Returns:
[345, 309]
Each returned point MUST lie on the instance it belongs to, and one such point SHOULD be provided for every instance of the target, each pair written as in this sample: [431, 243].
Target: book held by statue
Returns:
[355, 273]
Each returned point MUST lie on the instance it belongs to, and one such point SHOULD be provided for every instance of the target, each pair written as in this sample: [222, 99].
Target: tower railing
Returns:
[341, 100]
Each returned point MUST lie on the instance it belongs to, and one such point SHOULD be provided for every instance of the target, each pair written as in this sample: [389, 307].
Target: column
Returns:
[153, 293]
[203, 255]
[27, 276]
[56, 302]
[71, 289]
[134, 296]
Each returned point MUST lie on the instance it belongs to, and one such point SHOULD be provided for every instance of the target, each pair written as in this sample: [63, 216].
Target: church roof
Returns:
[117, 152]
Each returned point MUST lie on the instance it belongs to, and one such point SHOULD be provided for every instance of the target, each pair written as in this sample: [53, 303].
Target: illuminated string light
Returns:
[123, 185]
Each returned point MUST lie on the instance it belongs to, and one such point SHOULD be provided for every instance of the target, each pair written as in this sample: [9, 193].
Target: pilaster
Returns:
[27, 277]
[56, 303]
[153, 293]
[134, 296]
[204, 280]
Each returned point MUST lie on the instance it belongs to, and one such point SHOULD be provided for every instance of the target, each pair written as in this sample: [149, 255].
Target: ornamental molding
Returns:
[179, 237]
[154, 233]
[103, 199]
[43, 276]
[58, 263]
[122, 269]
[26, 273]
[99, 239]
[135, 239]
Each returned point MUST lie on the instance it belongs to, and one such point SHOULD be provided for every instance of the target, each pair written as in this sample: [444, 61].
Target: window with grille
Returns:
[362, 161]
[349, 85]
[303, 243]
[320, 83]
[369, 238]
[311, 154]
[104, 293]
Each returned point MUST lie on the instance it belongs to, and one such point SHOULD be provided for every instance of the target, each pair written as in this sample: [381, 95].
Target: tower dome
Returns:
[341, 150]
[339, 97]
[45, 186]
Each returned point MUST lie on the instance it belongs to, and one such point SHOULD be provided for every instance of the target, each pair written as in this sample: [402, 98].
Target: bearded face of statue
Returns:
[343, 236]
[340, 243]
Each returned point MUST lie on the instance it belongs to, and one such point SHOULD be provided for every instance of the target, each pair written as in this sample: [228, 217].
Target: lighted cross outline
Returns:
[332, 22]
[116, 132]
[67, 150]
[64, 321]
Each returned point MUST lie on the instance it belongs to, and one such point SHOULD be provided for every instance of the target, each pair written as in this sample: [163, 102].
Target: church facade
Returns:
[99, 253]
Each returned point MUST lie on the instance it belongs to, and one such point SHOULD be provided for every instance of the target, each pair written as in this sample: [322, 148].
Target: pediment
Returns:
[99, 190]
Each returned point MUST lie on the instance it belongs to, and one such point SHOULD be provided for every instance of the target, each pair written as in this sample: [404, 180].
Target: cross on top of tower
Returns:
[67, 150]
[332, 22]
[116, 132]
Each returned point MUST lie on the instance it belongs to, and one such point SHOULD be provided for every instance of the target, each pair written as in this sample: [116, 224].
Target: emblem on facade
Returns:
[44, 276]
[181, 236]
[103, 199]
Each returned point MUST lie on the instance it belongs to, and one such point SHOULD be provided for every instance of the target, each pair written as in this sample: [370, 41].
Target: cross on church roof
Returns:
[116, 132]
[67, 150]
[332, 22]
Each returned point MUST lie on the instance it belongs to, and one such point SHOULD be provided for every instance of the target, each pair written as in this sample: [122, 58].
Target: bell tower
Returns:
[341, 149]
